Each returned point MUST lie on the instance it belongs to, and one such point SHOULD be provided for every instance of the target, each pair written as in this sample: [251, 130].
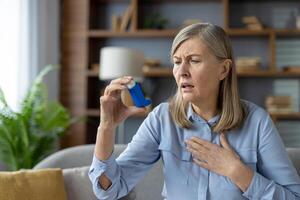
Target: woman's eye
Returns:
[195, 61]
[177, 62]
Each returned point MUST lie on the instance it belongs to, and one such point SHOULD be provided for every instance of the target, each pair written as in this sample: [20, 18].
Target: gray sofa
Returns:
[75, 160]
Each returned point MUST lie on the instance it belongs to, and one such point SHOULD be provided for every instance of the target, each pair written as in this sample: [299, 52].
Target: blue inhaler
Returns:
[137, 95]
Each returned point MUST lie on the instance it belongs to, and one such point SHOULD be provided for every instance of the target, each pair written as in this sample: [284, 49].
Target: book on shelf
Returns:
[255, 26]
[250, 20]
[288, 88]
[279, 104]
[247, 63]
[278, 100]
[126, 18]
[252, 23]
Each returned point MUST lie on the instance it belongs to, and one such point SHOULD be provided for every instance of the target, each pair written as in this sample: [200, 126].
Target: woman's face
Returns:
[197, 71]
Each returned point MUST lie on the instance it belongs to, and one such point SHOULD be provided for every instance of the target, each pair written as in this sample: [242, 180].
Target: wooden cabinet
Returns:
[87, 26]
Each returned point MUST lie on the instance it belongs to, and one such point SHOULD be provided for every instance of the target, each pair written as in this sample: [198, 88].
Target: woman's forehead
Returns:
[193, 46]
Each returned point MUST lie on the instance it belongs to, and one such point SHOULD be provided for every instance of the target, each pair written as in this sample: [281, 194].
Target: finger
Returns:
[198, 152]
[201, 142]
[106, 99]
[224, 142]
[114, 89]
[194, 145]
[201, 163]
[122, 80]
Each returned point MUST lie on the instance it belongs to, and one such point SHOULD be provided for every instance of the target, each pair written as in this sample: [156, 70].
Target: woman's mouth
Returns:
[186, 87]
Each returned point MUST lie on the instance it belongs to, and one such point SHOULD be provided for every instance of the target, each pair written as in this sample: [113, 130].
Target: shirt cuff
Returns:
[98, 167]
[257, 187]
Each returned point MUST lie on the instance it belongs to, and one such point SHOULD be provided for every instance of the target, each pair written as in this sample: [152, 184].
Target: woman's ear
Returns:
[224, 69]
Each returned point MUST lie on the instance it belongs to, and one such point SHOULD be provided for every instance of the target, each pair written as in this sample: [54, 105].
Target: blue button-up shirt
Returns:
[257, 142]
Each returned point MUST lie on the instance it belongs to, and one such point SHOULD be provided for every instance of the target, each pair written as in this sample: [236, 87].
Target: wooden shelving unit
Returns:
[285, 116]
[171, 33]
[132, 34]
[167, 72]
[269, 74]
[84, 32]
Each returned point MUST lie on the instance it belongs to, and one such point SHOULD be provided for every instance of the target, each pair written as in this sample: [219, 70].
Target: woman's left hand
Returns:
[219, 159]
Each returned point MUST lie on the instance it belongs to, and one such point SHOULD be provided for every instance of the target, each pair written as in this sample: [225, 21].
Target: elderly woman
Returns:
[213, 144]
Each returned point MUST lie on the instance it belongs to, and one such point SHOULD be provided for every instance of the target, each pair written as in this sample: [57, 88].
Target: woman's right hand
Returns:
[113, 111]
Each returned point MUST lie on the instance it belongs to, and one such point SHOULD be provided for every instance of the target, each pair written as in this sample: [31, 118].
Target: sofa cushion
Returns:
[32, 185]
[79, 186]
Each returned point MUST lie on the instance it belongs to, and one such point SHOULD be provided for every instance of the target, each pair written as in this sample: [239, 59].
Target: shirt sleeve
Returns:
[276, 178]
[132, 164]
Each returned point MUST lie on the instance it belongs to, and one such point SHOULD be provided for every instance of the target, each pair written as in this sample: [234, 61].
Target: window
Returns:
[9, 49]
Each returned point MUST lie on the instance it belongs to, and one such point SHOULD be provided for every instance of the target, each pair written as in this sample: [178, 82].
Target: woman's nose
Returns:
[184, 69]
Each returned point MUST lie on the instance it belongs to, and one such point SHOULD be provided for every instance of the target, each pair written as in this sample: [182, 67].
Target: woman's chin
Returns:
[188, 97]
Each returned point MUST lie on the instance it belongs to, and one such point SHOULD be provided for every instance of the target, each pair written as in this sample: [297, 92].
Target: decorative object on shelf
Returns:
[290, 87]
[278, 104]
[29, 135]
[155, 21]
[120, 61]
[292, 69]
[116, 23]
[252, 23]
[247, 64]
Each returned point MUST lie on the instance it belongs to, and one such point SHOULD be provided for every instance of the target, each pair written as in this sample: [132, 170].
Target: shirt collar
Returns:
[192, 116]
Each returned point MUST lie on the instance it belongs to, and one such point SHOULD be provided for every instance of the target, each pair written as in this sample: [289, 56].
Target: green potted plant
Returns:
[29, 135]
[155, 21]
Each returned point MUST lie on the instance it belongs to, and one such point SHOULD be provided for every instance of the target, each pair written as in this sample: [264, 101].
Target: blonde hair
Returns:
[232, 111]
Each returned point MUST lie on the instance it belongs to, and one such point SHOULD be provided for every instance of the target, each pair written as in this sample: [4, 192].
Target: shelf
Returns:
[155, 72]
[268, 74]
[287, 116]
[133, 34]
[248, 32]
[158, 72]
[173, 32]
[167, 72]
[287, 32]
[264, 32]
